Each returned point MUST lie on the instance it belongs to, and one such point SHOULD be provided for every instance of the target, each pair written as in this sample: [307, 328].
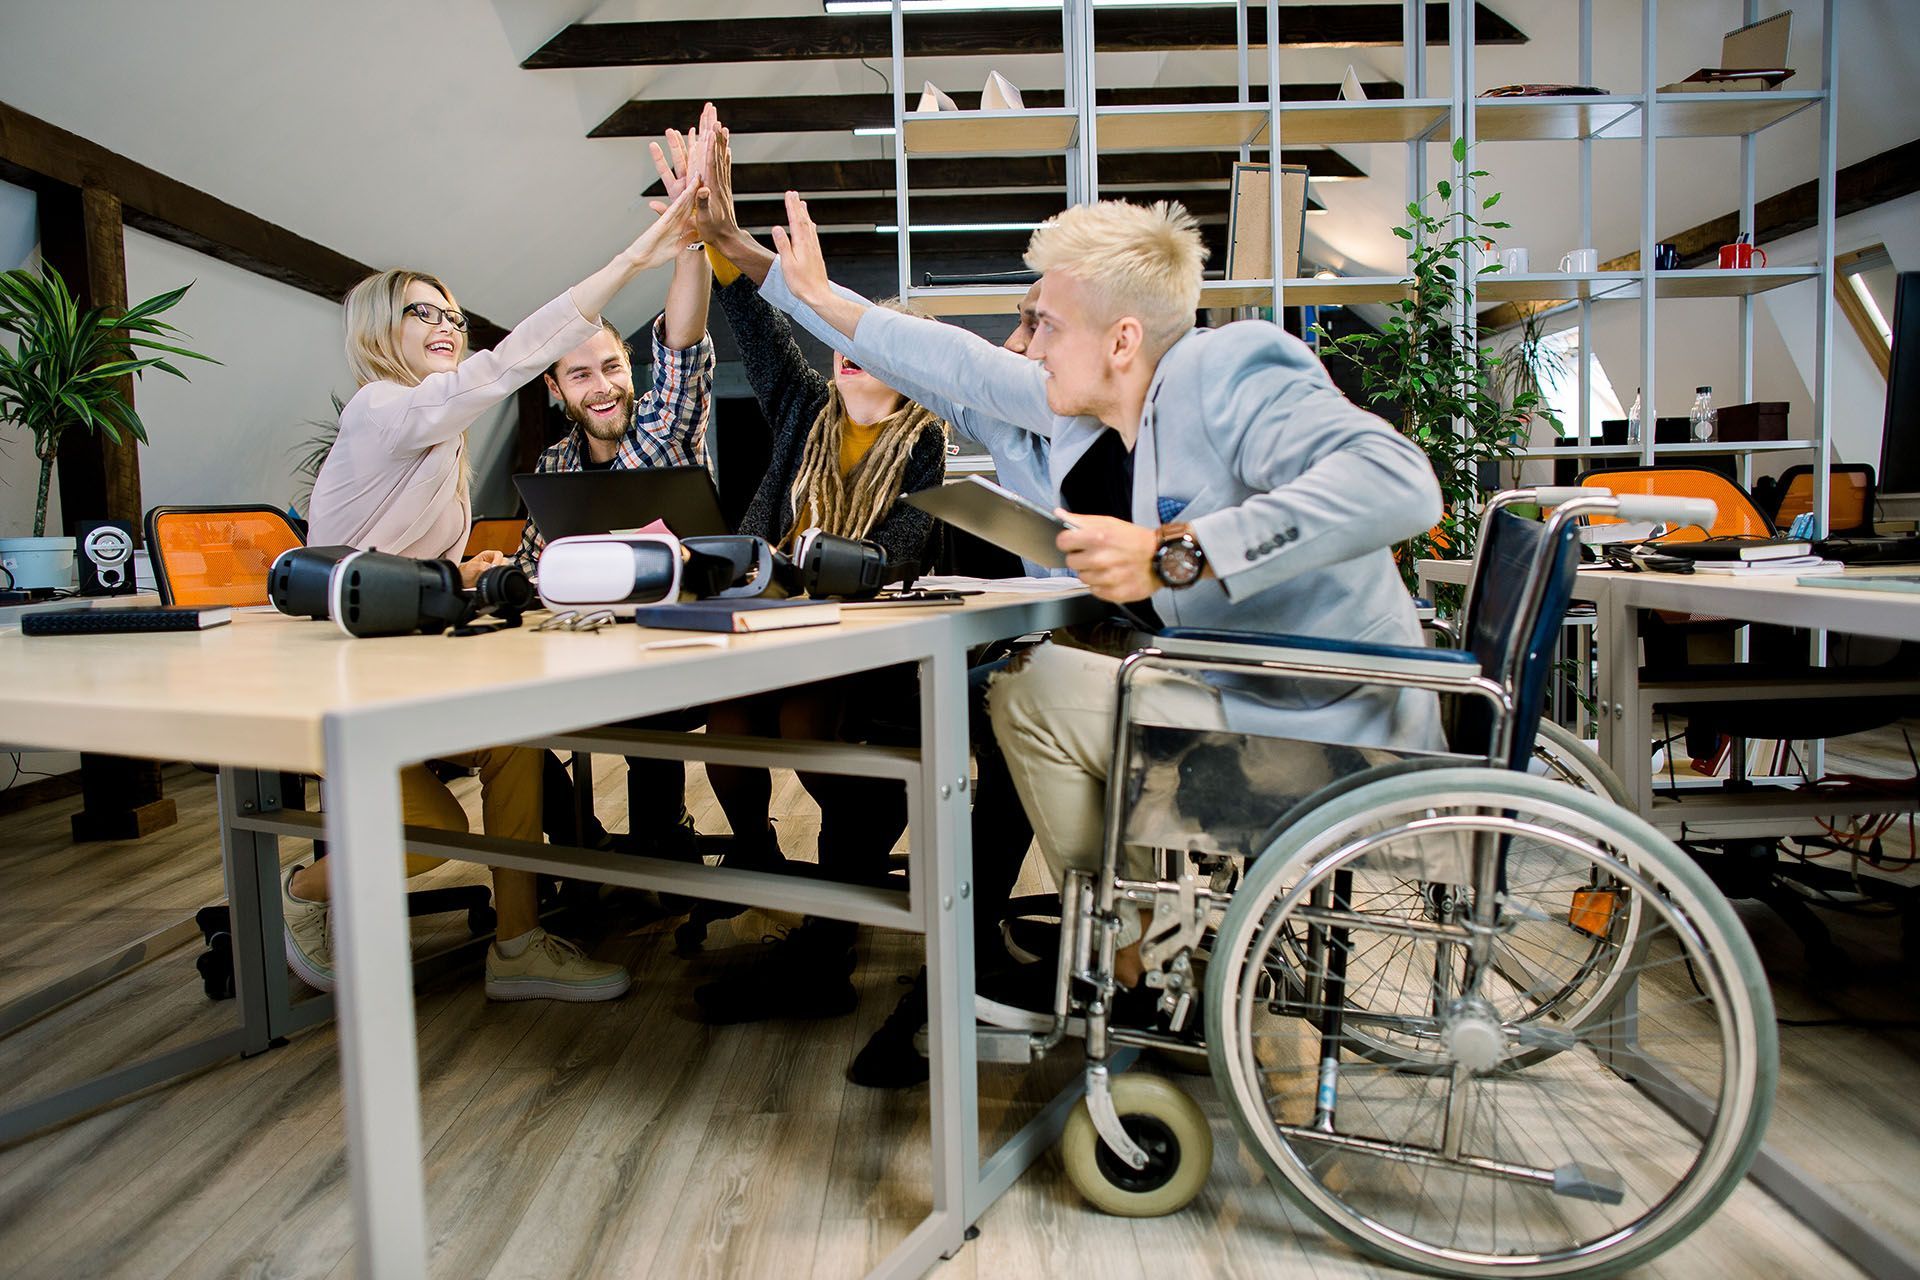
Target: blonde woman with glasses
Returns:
[397, 481]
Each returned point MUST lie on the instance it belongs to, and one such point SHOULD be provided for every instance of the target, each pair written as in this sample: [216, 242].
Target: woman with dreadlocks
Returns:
[844, 449]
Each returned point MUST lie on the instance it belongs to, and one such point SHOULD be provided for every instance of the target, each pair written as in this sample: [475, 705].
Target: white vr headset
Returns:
[627, 571]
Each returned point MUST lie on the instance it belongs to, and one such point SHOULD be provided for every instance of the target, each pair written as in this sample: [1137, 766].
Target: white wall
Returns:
[233, 431]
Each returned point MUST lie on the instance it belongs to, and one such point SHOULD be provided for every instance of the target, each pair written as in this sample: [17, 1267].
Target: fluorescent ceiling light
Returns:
[894, 227]
[988, 6]
[885, 131]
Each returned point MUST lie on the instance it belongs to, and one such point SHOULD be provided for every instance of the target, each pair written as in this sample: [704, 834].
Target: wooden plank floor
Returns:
[628, 1139]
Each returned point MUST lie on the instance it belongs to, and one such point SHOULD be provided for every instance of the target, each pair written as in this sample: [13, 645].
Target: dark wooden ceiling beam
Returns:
[948, 173]
[839, 112]
[1019, 206]
[34, 153]
[717, 40]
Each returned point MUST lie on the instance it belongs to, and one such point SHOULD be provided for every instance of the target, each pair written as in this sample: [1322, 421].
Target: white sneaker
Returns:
[552, 968]
[308, 930]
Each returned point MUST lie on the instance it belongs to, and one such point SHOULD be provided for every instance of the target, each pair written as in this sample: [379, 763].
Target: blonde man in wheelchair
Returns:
[1420, 970]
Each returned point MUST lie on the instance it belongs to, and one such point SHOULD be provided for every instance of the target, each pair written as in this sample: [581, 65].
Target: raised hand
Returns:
[801, 260]
[718, 222]
[673, 231]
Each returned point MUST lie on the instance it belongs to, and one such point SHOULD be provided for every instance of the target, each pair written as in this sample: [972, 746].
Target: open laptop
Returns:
[565, 504]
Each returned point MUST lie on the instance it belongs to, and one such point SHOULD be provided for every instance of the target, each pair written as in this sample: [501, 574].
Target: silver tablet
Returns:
[1001, 516]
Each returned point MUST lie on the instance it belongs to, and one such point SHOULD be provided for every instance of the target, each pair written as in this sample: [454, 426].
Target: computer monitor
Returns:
[1900, 438]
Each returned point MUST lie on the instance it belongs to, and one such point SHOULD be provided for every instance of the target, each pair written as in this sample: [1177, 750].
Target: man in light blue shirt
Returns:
[1214, 478]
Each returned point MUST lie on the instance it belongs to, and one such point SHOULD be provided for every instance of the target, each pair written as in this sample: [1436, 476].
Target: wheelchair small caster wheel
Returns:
[1161, 1118]
[481, 921]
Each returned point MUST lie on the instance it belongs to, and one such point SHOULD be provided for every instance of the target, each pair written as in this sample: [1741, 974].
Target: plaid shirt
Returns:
[669, 427]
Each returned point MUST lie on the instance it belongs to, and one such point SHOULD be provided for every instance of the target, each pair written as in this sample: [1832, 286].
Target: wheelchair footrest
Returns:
[997, 1044]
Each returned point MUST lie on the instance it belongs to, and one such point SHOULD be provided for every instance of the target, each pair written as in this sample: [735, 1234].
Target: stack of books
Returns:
[1747, 557]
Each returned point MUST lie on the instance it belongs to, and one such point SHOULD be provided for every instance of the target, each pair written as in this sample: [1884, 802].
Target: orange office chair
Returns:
[221, 556]
[217, 555]
[495, 533]
[1850, 497]
[1740, 516]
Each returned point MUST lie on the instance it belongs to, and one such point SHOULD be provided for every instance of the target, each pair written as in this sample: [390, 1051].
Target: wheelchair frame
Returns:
[1182, 905]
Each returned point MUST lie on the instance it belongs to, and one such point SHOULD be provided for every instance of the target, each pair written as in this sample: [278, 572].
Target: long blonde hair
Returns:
[852, 504]
[375, 313]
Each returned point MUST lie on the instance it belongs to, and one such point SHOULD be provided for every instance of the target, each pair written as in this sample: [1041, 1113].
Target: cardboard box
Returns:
[1761, 420]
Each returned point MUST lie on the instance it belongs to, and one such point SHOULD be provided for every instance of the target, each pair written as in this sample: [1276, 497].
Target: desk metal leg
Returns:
[945, 893]
[378, 1061]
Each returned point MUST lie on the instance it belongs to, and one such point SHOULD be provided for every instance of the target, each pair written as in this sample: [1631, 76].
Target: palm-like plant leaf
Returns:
[67, 364]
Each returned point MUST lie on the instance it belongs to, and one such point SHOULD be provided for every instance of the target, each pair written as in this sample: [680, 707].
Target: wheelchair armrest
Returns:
[1199, 644]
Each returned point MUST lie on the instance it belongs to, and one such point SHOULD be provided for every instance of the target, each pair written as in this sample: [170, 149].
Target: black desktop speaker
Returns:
[105, 558]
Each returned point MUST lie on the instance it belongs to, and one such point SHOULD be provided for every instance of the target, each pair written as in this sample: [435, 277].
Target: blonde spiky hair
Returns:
[1141, 261]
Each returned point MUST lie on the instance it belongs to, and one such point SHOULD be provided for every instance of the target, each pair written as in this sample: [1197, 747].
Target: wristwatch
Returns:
[1178, 561]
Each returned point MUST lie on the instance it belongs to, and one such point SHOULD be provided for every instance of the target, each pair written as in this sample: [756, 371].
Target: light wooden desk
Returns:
[273, 693]
[1626, 703]
[1626, 706]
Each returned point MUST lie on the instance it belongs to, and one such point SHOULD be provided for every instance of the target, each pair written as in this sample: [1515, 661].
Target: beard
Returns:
[611, 426]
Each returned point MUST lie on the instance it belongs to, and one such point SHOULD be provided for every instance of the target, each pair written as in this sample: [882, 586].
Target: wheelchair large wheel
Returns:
[1464, 1160]
[1559, 755]
[1561, 975]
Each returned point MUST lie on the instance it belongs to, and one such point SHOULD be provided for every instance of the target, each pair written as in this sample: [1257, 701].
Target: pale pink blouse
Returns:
[393, 479]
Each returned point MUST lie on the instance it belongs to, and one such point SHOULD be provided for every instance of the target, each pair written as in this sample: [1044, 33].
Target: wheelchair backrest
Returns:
[1522, 581]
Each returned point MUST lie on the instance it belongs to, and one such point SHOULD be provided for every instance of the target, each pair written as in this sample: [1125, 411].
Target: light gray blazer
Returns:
[1019, 456]
[1294, 493]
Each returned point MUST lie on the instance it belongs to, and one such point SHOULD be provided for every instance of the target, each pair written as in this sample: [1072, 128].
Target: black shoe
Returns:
[1019, 997]
[1031, 941]
[889, 1059]
[805, 974]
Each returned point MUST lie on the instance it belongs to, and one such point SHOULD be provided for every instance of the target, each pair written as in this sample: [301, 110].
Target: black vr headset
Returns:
[370, 593]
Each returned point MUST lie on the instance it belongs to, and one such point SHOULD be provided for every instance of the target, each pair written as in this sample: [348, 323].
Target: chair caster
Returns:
[1167, 1124]
[216, 962]
[481, 921]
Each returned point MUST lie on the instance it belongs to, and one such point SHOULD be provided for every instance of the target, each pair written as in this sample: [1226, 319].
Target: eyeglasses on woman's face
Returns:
[431, 316]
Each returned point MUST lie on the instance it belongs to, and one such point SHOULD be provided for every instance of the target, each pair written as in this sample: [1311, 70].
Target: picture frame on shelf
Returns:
[1250, 221]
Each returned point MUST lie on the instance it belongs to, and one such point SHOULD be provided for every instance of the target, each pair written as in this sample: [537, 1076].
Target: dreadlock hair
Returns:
[851, 505]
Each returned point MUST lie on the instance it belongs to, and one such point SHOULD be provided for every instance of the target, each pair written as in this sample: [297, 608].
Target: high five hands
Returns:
[702, 159]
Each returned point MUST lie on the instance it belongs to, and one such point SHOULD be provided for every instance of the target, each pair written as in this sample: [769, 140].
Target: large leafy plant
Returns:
[314, 450]
[1423, 367]
[64, 369]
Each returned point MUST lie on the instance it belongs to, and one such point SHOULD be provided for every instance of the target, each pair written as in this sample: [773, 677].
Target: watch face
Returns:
[1178, 562]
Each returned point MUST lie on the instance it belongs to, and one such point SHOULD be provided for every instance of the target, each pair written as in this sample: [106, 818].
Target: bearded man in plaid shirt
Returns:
[615, 430]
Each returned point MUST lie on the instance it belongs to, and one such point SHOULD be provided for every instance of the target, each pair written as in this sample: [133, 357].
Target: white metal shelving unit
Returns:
[1082, 132]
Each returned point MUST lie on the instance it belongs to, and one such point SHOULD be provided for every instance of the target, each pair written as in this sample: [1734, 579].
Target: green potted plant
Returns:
[60, 374]
[1422, 369]
[1527, 363]
[314, 450]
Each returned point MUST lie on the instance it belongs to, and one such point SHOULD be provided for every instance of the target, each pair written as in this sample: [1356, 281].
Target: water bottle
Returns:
[1700, 419]
[1633, 419]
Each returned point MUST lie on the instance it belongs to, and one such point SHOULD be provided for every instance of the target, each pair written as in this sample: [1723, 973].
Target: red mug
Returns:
[1738, 257]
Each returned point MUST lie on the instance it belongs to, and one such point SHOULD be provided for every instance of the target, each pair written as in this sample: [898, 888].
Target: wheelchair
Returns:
[1427, 984]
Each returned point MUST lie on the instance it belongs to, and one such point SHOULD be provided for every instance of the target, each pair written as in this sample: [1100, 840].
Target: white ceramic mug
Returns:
[1513, 261]
[1581, 260]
